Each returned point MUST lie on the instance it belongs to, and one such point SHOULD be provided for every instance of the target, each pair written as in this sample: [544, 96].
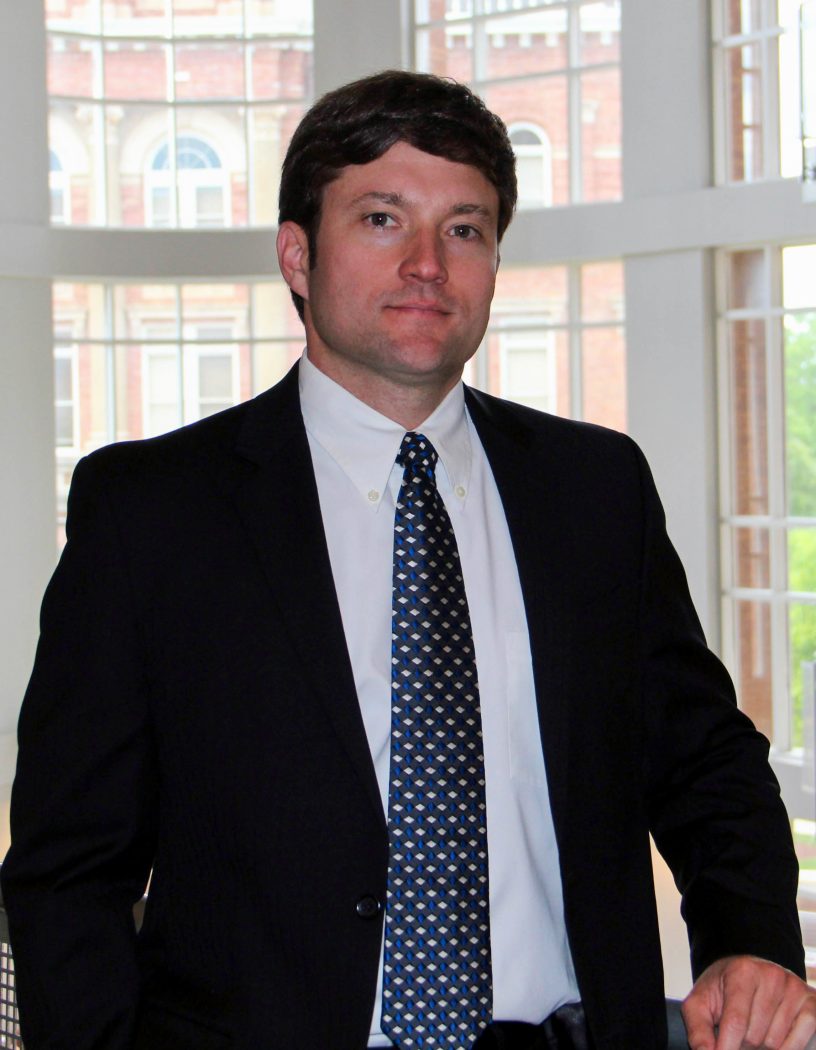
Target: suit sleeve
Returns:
[715, 808]
[83, 800]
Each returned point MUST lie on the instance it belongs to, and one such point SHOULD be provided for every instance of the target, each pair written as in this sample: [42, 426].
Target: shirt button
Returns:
[373, 496]
[460, 491]
[368, 907]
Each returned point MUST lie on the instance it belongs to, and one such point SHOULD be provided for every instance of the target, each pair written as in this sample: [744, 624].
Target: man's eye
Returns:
[465, 232]
[379, 219]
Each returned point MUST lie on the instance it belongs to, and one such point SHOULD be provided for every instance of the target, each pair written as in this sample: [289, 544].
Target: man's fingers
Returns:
[700, 1011]
[756, 1005]
[803, 1030]
[750, 1004]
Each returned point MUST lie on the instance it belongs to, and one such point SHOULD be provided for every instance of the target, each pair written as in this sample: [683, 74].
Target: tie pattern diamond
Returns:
[437, 975]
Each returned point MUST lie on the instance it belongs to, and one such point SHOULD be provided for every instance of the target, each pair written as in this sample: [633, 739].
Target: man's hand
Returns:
[743, 1002]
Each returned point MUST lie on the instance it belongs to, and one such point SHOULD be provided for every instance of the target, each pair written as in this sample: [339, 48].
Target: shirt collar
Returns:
[364, 443]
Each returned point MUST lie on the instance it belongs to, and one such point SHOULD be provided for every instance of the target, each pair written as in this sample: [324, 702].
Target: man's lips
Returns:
[420, 307]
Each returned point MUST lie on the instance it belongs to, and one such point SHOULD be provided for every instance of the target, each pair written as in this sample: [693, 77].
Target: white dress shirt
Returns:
[354, 450]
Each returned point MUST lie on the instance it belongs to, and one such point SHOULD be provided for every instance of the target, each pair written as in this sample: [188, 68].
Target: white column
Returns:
[670, 323]
[354, 39]
[27, 507]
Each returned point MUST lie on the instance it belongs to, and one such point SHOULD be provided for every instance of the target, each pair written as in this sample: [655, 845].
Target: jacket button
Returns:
[368, 907]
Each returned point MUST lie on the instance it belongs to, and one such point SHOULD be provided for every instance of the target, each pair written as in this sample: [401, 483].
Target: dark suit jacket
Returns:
[192, 711]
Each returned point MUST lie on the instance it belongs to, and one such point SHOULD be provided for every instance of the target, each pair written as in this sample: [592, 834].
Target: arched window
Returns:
[533, 164]
[202, 197]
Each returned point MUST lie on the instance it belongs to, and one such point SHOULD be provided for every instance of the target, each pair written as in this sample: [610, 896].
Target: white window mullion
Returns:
[782, 714]
[180, 362]
[111, 407]
[574, 106]
[575, 338]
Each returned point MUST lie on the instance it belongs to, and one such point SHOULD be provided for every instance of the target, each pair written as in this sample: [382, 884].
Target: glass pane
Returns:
[74, 67]
[134, 134]
[270, 16]
[749, 417]
[281, 70]
[145, 311]
[600, 136]
[802, 639]
[742, 16]
[215, 377]
[446, 51]
[800, 413]
[270, 129]
[63, 378]
[271, 362]
[747, 280]
[802, 560]
[530, 366]
[604, 377]
[136, 17]
[799, 277]
[80, 16]
[753, 650]
[207, 18]
[211, 71]
[136, 71]
[600, 26]
[76, 132]
[64, 425]
[215, 310]
[542, 102]
[212, 138]
[435, 10]
[527, 42]
[752, 558]
[744, 112]
[794, 83]
[602, 292]
[273, 313]
[155, 371]
[209, 207]
[540, 293]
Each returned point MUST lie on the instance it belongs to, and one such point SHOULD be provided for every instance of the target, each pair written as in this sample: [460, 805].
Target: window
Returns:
[757, 77]
[547, 68]
[190, 193]
[146, 358]
[556, 341]
[533, 165]
[768, 376]
[65, 384]
[233, 75]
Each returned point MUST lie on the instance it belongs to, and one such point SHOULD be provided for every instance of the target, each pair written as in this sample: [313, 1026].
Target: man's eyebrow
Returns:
[397, 200]
[472, 209]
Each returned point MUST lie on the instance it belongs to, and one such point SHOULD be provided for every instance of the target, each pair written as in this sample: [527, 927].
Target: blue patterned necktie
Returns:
[437, 976]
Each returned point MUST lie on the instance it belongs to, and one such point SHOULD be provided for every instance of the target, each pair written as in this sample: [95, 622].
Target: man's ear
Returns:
[293, 257]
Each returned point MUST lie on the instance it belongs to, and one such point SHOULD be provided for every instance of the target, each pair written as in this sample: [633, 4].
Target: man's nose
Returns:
[424, 259]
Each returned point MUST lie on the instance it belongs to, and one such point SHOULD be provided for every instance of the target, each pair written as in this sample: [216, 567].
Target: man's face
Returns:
[406, 266]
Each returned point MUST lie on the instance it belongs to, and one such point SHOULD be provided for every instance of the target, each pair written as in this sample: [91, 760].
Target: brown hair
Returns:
[357, 123]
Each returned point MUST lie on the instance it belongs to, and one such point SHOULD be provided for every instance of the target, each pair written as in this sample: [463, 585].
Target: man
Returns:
[257, 679]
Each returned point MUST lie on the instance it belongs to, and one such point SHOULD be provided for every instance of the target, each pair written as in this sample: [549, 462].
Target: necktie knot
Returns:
[417, 452]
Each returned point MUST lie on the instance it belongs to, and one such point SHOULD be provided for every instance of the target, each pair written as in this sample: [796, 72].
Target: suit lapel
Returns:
[276, 497]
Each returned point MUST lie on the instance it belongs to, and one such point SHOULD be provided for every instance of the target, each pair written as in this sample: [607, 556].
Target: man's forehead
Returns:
[404, 175]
